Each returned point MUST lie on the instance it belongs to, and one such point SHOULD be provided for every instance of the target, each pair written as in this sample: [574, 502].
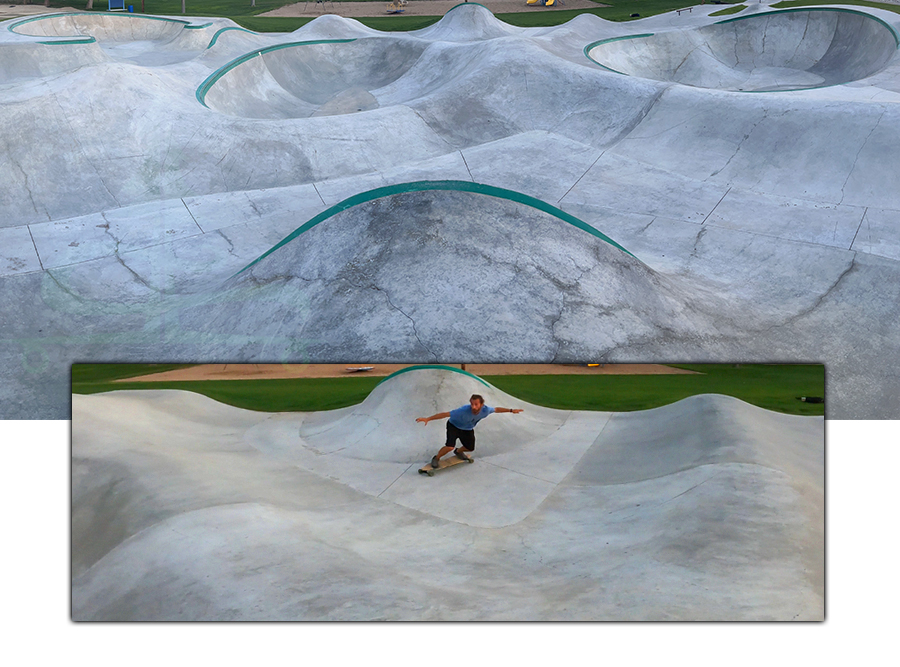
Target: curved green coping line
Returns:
[587, 49]
[441, 367]
[210, 81]
[41, 17]
[467, 4]
[424, 186]
[197, 27]
[77, 40]
[215, 37]
[815, 9]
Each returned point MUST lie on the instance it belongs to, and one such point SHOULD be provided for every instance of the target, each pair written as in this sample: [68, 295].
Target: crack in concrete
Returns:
[859, 152]
[739, 146]
[818, 301]
[134, 273]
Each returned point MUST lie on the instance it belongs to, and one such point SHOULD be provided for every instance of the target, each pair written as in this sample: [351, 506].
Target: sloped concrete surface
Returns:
[761, 226]
[186, 509]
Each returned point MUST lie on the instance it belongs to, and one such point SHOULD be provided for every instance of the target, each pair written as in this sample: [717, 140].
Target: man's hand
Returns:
[517, 411]
[424, 420]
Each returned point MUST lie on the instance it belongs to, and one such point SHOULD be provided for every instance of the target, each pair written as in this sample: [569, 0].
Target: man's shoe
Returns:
[460, 455]
[435, 462]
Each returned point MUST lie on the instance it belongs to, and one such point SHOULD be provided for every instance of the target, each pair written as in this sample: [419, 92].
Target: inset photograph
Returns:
[466, 492]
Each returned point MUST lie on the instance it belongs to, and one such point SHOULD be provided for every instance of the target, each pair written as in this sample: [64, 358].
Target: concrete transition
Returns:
[187, 509]
[472, 191]
[788, 50]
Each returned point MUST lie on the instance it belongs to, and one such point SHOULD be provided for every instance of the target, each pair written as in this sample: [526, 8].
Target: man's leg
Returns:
[452, 434]
[467, 444]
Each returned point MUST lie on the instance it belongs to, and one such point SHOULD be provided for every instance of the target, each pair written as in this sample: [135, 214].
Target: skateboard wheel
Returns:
[430, 473]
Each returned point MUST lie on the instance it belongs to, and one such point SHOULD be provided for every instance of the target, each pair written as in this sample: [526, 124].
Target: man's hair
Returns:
[477, 397]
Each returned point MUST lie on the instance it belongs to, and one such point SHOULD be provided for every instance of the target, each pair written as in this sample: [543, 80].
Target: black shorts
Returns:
[466, 438]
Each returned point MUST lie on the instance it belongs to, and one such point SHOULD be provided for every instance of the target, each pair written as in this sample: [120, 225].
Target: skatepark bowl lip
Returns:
[435, 367]
[86, 38]
[426, 186]
[210, 81]
[589, 48]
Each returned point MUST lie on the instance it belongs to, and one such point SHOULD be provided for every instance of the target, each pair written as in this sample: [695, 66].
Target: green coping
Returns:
[215, 37]
[467, 4]
[440, 367]
[424, 186]
[587, 49]
[42, 17]
[210, 81]
[815, 9]
[78, 40]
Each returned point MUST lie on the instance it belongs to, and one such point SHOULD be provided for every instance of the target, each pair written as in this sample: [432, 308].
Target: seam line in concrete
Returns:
[716, 206]
[858, 227]
[406, 470]
[517, 472]
[202, 231]
[465, 162]
[35, 247]
[321, 198]
[578, 180]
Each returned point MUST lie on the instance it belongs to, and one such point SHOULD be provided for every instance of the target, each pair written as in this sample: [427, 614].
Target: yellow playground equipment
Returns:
[396, 7]
[545, 3]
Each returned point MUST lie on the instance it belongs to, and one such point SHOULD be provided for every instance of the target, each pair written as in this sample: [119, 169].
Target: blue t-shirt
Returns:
[465, 419]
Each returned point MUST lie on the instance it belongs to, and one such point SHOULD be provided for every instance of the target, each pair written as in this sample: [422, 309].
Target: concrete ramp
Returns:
[310, 78]
[769, 51]
[467, 22]
[407, 255]
[146, 40]
[183, 508]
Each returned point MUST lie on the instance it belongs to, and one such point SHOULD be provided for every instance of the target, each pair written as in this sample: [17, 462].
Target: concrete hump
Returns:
[467, 22]
[768, 51]
[451, 266]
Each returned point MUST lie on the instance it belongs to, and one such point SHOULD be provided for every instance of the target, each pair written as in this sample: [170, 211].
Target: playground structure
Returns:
[253, 191]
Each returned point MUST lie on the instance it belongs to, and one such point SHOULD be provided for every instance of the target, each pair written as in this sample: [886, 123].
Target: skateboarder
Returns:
[461, 426]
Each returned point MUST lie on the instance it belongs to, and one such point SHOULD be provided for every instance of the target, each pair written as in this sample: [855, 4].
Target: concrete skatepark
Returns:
[187, 509]
[642, 217]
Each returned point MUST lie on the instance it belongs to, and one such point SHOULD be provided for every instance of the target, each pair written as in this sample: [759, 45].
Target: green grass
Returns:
[248, 17]
[294, 395]
[806, 3]
[729, 10]
[88, 374]
[774, 387]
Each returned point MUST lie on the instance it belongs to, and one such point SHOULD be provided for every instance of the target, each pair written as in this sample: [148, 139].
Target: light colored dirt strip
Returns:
[287, 371]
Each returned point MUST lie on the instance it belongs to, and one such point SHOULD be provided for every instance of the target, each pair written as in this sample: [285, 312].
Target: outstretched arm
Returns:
[515, 411]
[439, 415]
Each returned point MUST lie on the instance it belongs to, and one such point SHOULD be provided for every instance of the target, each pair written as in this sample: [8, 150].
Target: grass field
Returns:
[774, 387]
[248, 17]
[734, 9]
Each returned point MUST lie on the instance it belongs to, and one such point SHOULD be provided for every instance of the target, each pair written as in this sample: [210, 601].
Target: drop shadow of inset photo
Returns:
[314, 492]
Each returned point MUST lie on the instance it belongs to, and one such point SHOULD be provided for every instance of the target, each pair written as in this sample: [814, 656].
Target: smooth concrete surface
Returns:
[187, 509]
[764, 226]
[788, 50]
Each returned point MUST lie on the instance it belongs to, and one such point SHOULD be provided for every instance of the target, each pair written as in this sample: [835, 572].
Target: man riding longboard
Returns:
[461, 426]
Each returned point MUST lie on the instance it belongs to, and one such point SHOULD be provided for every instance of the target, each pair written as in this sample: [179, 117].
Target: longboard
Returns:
[451, 460]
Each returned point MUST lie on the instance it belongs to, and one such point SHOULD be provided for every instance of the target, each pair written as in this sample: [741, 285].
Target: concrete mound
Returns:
[467, 22]
[769, 51]
[451, 266]
[707, 509]
[316, 78]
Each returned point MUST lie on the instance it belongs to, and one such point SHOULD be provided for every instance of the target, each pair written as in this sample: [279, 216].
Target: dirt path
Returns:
[417, 7]
[285, 371]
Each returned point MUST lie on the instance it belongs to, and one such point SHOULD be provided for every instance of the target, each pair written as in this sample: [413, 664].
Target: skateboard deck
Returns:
[451, 460]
